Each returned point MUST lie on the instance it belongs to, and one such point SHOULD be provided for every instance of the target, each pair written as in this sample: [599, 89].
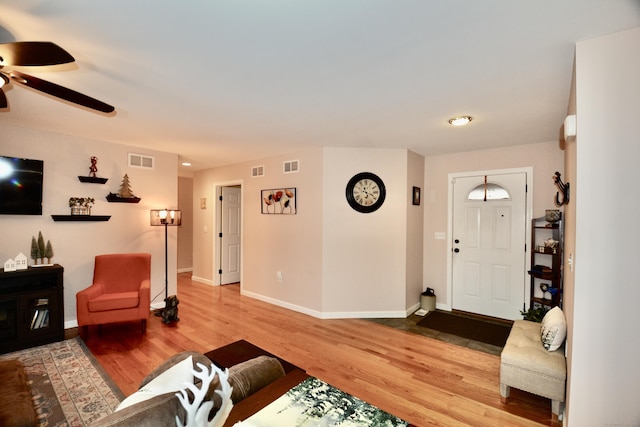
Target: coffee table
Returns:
[241, 351]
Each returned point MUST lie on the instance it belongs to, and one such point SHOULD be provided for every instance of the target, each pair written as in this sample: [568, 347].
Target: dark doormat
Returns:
[476, 329]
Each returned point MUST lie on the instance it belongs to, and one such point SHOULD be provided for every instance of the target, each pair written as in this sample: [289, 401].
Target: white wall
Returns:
[76, 243]
[605, 374]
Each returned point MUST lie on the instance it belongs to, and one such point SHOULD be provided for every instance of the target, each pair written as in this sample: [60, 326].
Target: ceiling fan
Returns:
[28, 54]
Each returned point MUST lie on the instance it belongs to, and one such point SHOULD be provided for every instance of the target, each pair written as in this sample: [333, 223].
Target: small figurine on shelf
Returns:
[124, 194]
[94, 167]
[81, 205]
[92, 178]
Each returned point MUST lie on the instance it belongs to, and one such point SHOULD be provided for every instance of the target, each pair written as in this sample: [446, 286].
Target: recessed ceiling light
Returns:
[186, 164]
[460, 120]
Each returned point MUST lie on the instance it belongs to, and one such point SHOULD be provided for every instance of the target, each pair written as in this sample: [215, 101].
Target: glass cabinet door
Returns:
[39, 313]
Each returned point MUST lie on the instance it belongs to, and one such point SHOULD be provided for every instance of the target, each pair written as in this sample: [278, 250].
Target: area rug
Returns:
[68, 385]
[477, 329]
[314, 403]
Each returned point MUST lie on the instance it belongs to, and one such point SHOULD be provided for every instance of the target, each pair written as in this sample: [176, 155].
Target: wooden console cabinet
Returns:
[31, 307]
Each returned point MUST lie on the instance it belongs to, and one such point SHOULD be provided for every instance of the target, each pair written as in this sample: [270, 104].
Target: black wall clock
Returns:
[365, 192]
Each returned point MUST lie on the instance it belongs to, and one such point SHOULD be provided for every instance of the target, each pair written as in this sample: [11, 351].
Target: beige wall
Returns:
[545, 159]
[290, 244]
[319, 250]
[604, 372]
[415, 230]
[185, 231]
[570, 235]
[76, 243]
[365, 255]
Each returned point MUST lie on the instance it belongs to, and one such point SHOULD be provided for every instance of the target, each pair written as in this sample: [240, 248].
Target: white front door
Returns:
[231, 238]
[488, 244]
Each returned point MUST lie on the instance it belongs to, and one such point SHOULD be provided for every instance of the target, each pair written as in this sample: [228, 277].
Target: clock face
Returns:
[365, 192]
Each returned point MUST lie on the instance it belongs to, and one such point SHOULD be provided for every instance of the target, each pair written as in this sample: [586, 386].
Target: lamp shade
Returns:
[165, 217]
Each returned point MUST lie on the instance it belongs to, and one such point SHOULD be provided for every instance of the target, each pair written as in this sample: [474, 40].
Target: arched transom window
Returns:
[488, 191]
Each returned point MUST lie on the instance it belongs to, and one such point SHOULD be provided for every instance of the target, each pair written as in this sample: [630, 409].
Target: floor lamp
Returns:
[166, 218]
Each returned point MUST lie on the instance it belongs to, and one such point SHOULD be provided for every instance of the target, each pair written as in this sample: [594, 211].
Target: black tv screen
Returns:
[20, 186]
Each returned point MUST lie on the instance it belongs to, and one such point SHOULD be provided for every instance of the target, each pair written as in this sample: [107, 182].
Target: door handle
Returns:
[456, 250]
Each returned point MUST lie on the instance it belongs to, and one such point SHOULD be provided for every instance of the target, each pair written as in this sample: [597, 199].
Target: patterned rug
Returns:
[68, 385]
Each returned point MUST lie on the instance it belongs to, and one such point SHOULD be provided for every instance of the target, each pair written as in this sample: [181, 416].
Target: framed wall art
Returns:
[279, 201]
[416, 196]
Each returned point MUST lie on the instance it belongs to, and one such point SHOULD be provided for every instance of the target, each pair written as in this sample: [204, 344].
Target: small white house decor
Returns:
[81, 205]
[21, 262]
[10, 265]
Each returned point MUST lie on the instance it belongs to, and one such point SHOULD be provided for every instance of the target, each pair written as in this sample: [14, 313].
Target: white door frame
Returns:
[217, 221]
[529, 215]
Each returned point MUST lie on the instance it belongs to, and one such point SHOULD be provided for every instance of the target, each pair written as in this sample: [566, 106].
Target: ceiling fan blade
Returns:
[60, 92]
[3, 100]
[33, 54]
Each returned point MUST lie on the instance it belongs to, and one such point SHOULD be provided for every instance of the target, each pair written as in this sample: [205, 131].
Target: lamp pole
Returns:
[166, 263]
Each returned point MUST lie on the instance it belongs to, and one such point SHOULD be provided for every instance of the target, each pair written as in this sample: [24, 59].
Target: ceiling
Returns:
[220, 82]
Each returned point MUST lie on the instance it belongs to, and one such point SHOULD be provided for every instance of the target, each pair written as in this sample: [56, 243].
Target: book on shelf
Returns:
[40, 319]
[541, 269]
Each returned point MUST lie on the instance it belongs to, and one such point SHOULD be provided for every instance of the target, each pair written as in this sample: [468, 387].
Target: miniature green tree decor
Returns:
[41, 246]
[40, 251]
[48, 252]
[35, 251]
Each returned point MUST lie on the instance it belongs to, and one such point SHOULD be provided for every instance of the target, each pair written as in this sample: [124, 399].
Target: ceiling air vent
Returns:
[257, 171]
[141, 161]
[292, 166]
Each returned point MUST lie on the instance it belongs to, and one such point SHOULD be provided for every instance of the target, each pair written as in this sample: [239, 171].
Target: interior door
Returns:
[231, 239]
[489, 237]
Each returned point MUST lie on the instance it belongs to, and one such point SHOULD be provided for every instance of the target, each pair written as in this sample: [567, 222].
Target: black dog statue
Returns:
[170, 312]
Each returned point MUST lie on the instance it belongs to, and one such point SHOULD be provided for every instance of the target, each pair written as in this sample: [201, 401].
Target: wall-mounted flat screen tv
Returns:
[20, 186]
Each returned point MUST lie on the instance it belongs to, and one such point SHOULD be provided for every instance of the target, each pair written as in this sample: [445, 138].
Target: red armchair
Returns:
[120, 292]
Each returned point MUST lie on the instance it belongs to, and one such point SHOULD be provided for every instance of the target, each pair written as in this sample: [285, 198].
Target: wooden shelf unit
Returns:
[549, 258]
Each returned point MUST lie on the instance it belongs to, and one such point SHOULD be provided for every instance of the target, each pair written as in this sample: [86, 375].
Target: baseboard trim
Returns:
[330, 315]
[203, 280]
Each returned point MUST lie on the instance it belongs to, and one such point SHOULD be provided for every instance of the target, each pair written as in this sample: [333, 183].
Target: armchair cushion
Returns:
[114, 301]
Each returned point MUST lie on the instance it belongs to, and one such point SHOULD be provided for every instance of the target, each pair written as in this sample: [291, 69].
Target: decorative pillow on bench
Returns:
[553, 329]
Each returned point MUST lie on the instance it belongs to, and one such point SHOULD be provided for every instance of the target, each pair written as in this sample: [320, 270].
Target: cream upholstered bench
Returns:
[527, 365]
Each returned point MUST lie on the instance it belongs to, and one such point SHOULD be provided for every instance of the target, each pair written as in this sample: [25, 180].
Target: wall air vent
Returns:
[141, 161]
[257, 171]
[292, 166]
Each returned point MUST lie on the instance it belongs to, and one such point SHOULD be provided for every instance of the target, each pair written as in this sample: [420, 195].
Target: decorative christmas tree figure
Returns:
[41, 247]
[35, 251]
[124, 194]
[125, 188]
[48, 252]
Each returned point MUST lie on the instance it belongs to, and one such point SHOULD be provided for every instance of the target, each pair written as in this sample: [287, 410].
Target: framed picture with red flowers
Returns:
[279, 201]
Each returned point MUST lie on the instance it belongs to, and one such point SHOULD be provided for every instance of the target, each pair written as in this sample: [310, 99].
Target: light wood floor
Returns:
[422, 380]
